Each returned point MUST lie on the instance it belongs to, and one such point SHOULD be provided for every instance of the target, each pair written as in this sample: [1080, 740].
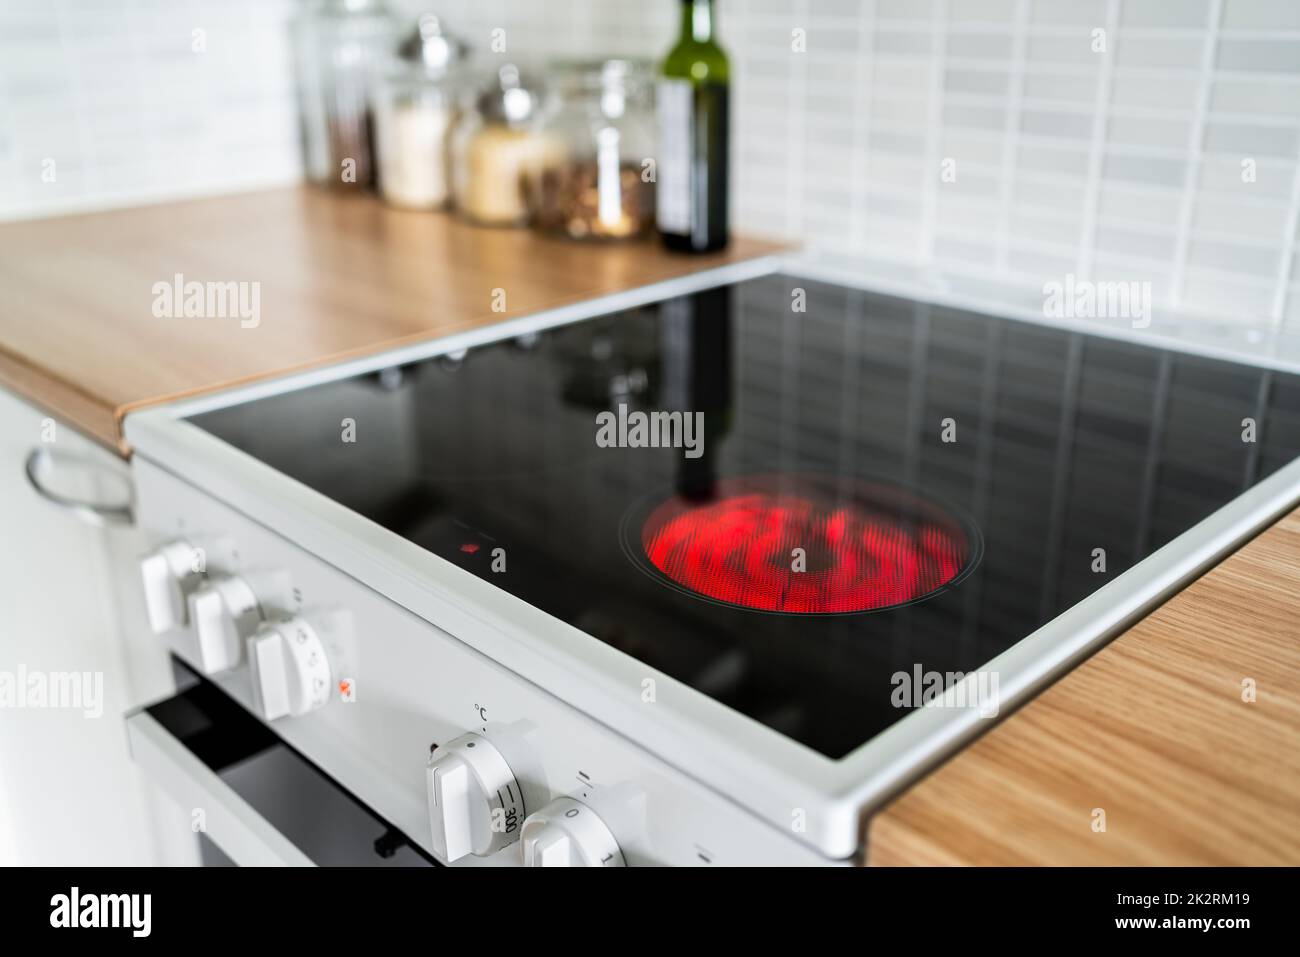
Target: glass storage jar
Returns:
[338, 45]
[601, 184]
[498, 147]
[414, 106]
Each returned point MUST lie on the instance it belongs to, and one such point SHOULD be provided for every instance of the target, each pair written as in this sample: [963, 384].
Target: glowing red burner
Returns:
[877, 548]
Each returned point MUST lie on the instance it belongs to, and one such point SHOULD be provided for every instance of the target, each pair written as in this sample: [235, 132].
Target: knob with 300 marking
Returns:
[475, 804]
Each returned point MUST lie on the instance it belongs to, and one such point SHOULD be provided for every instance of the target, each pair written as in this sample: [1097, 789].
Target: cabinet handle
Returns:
[41, 463]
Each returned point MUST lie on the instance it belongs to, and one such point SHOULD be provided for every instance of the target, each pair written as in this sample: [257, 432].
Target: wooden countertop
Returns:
[339, 277]
[1153, 730]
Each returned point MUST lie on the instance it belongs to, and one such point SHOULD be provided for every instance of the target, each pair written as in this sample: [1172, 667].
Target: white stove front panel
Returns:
[399, 685]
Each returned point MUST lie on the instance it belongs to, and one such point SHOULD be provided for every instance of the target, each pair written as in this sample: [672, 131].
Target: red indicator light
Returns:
[469, 548]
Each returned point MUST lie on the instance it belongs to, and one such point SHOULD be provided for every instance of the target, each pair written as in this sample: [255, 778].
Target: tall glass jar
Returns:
[414, 106]
[338, 46]
[601, 187]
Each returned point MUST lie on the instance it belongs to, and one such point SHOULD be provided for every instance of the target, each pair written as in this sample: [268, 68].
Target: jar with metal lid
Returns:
[337, 45]
[498, 147]
[414, 106]
[601, 186]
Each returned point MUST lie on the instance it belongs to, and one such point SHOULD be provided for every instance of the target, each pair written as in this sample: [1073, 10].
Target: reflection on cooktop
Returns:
[1062, 458]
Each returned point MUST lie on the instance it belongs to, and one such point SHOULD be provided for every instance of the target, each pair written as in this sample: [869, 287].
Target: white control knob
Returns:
[170, 574]
[224, 612]
[567, 833]
[290, 668]
[475, 805]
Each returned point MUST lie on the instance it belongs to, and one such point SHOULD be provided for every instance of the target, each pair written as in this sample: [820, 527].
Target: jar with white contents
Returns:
[415, 107]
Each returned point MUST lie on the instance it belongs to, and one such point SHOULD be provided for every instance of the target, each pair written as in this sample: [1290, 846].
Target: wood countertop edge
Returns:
[92, 416]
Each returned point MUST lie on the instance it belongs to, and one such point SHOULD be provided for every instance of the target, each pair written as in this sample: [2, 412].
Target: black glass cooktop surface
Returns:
[852, 490]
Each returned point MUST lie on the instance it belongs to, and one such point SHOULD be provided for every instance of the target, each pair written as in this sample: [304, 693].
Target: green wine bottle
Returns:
[693, 134]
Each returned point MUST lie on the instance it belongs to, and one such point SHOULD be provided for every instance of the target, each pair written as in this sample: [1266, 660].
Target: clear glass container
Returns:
[498, 148]
[600, 185]
[338, 45]
[415, 104]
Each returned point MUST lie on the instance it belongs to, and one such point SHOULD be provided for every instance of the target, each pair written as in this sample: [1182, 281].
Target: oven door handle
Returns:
[42, 463]
[230, 822]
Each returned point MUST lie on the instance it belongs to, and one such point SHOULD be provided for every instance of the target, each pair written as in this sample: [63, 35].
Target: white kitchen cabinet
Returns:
[70, 602]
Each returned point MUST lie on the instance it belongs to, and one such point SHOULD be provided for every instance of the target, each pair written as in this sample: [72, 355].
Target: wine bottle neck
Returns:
[697, 20]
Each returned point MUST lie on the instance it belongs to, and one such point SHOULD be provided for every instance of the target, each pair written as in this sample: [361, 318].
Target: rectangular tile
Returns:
[1261, 15]
[1273, 56]
[1162, 13]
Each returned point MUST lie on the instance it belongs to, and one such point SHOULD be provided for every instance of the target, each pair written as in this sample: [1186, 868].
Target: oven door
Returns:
[252, 799]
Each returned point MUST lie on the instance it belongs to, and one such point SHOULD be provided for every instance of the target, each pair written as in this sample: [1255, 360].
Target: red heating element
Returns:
[741, 549]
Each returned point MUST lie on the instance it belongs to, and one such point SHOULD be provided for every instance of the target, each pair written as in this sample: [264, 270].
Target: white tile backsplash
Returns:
[108, 102]
[1173, 156]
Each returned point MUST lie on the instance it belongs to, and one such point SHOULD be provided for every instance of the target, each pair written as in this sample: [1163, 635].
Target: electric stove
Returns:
[736, 530]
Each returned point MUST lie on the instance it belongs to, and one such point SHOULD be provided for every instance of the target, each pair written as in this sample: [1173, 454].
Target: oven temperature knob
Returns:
[290, 668]
[170, 575]
[475, 805]
[567, 833]
[224, 612]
